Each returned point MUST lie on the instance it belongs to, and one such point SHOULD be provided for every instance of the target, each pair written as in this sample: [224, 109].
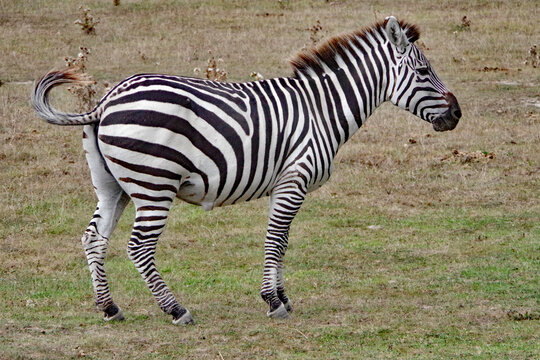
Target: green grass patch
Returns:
[411, 251]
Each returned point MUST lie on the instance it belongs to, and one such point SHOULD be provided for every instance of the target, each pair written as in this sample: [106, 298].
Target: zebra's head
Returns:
[417, 88]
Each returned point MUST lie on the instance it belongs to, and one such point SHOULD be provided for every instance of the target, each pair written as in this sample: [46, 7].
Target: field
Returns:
[422, 245]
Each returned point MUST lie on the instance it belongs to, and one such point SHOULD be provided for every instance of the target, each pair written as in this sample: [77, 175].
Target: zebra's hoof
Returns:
[279, 313]
[288, 306]
[185, 319]
[117, 316]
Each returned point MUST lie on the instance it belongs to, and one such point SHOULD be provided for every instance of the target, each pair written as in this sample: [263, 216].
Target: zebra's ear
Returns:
[395, 33]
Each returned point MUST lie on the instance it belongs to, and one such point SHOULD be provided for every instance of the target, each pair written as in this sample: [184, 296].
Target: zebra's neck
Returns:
[350, 83]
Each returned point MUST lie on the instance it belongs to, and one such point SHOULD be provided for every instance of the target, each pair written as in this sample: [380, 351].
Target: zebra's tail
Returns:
[40, 98]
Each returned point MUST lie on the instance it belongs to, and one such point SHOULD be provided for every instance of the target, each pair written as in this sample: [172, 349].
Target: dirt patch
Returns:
[517, 315]
[492, 69]
[467, 157]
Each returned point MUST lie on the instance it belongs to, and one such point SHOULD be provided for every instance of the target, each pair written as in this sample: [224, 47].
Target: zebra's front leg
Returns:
[149, 224]
[285, 201]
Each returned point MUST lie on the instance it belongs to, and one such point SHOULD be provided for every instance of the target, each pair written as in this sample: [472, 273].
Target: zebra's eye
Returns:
[423, 71]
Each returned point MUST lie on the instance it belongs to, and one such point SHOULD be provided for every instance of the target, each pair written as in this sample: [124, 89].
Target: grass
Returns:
[412, 250]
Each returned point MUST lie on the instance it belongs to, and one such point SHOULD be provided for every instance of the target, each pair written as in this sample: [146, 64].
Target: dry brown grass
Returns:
[422, 245]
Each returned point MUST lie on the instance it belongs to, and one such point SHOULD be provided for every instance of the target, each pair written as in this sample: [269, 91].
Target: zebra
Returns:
[154, 138]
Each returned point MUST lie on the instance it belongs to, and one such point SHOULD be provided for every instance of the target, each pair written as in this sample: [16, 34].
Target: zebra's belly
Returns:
[193, 190]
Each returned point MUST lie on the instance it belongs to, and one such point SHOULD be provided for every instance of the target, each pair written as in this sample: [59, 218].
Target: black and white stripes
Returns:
[156, 137]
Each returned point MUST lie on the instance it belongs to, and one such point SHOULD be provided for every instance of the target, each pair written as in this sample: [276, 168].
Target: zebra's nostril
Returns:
[456, 113]
[454, 109]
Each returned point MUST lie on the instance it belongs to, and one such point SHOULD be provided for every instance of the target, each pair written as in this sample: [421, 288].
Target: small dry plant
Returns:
[315, 33]
[142, 55]
[116, 2]
[85, 94]
[532, 59]
[283, 3]
[212, 71]
[87, 22]
[256, 76]
[464, 26]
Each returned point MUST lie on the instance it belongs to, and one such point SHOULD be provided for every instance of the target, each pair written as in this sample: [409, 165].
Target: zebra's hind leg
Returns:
[285, 201]
[95, 241]
[149, 223]
[111, 203]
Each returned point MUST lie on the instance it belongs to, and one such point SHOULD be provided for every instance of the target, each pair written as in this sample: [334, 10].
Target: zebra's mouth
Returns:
[450, 119]
[444, 123]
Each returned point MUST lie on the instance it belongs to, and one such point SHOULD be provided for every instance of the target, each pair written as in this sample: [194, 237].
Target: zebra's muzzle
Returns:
[450, 119]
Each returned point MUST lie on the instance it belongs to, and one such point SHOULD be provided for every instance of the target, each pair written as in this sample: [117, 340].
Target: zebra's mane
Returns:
[313, 59]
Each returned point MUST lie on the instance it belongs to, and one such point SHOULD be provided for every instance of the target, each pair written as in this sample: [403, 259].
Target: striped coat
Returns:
[154, 138]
